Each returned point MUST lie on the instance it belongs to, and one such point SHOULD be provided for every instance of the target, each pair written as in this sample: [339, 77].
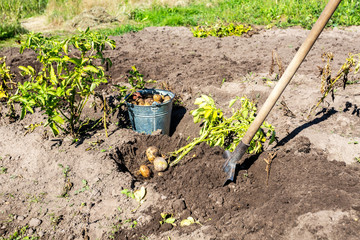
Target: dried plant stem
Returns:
[268, 161]
[328, 84]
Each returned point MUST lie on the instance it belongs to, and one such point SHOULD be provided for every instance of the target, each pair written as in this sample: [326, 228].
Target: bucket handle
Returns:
[155, 107]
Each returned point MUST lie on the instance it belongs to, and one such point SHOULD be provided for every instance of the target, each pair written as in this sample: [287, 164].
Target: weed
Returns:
[10, 218]
[20, 234]
[55, 220]
[137, 195]
[36, 198]
[63, 91]
[66, 188]
[132, 223]
[3, 170]
[30, 128]
[94, 144]
[357, 159]
[128, 193]
[65, 170]
[167, 218]
[129, 223]
[84, 187]
[220, 30]
[67, 183]
[115, 229]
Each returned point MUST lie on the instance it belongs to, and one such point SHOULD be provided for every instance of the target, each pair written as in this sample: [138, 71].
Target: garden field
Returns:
[81, 180]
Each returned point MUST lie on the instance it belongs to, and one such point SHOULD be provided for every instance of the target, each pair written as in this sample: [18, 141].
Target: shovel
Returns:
[233, 158]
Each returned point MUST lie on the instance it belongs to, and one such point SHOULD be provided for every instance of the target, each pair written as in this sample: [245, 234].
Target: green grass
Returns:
[11, 11]
[22, 8]
[280, 13]
[122, 29]
[259, 12]
[10, 28]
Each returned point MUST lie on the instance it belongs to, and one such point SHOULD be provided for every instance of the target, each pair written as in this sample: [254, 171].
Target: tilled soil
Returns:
[310, 190]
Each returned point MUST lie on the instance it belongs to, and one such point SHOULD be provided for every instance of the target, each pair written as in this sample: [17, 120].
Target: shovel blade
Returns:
[229, 166]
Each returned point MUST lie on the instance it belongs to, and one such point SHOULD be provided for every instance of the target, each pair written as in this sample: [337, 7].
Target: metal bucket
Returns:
[147, 119]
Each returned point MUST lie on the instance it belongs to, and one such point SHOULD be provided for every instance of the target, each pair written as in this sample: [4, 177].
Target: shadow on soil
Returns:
[177, 114]
[353, 108]
[326, 114]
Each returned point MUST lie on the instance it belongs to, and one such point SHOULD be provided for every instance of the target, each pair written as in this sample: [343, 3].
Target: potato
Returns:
[149, 101]
[167, 98]
[157, 98]
[145, 171]
[141, 102]
[151, 153]
[160, 164]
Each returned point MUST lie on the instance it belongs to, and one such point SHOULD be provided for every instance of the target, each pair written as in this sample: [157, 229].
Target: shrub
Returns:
[69, 76]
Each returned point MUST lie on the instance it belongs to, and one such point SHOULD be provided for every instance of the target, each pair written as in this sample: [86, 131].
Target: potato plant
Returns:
[5, 79]
[329, 81]
[70, 72]
[136, 81]
[218, 130]
[220, 30]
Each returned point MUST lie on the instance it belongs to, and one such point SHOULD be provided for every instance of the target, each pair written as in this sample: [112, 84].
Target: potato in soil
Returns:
[145, 171]
[160, 164]
[151, 153]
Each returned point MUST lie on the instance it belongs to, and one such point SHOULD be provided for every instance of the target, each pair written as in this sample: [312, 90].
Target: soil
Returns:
[311, 192]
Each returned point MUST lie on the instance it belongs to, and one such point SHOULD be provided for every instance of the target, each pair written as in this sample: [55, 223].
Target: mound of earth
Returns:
[310, 190]
[94, 17]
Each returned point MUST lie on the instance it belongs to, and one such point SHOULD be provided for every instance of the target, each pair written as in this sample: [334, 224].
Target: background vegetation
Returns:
[11, 11]
[134, 15]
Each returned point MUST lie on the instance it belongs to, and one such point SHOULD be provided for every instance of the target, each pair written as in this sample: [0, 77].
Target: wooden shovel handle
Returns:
[290, 70]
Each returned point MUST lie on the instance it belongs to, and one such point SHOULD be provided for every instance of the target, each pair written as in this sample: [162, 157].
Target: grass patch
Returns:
[22, 8]
[121, 29]
[10, 28]
[11, 11]
[135, 15]
[259, 12]
[60, 11]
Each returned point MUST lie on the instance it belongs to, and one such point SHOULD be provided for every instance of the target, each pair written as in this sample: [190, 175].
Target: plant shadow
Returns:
[326, 113]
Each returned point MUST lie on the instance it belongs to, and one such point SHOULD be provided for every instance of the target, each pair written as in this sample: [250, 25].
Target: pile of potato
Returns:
[148, 99]
[154, 157]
